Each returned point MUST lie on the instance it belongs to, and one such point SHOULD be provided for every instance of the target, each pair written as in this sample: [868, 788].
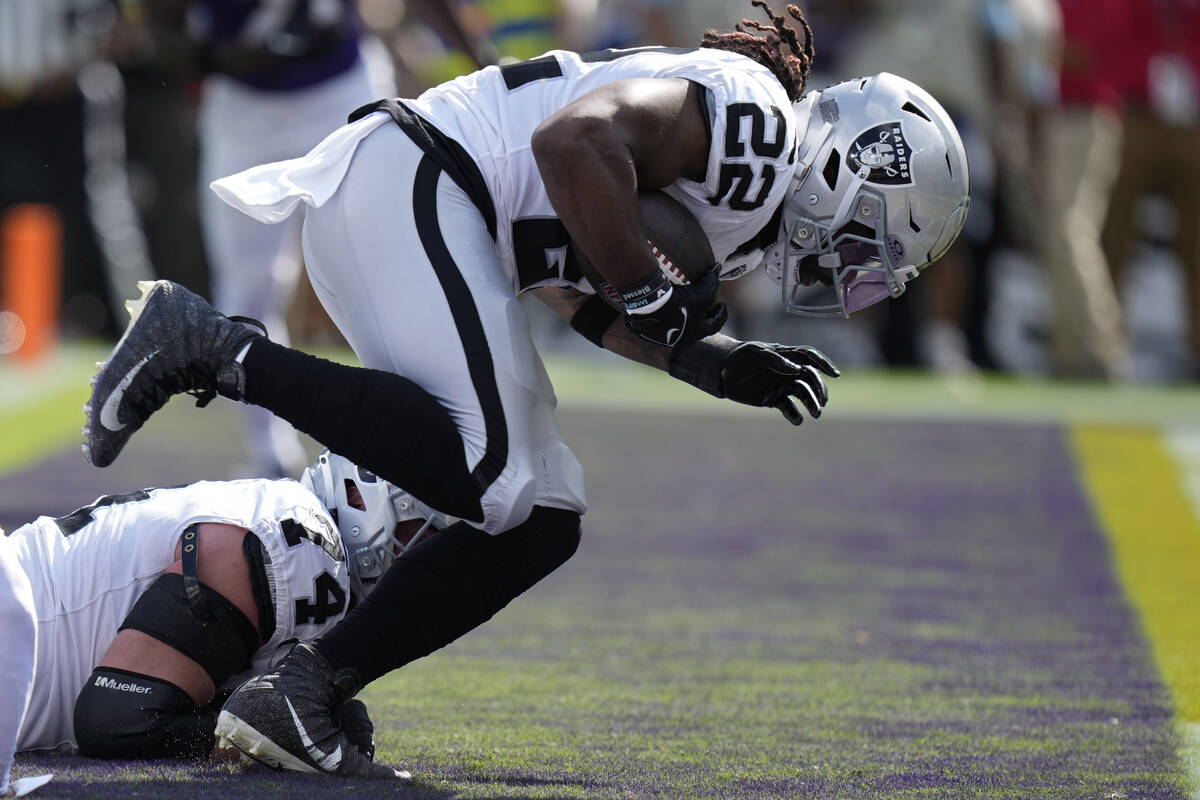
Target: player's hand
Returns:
[680, 315]
[770, 375]
[357, 725]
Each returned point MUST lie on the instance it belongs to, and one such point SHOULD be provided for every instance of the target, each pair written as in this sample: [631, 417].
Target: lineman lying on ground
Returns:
[151, 606]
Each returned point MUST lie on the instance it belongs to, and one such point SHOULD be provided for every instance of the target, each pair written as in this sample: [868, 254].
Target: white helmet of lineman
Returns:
[369, 534]
[880, 192]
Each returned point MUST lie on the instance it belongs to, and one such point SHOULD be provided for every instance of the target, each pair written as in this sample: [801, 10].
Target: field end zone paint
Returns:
[1139, 488]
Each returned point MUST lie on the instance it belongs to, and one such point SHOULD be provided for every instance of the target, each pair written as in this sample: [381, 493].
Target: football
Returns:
[673, 235]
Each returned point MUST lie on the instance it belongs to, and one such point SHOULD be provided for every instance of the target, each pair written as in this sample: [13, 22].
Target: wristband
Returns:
[700, 363]
[593, 318]
[647, 295]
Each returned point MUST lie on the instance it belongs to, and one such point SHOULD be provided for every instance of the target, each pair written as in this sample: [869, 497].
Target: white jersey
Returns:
[494, 112]
[90, 567]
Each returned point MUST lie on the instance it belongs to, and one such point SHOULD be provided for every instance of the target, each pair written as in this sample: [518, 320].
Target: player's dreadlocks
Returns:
[791, 69]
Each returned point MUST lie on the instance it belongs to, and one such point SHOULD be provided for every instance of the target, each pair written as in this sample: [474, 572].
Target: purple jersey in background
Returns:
[297, 43]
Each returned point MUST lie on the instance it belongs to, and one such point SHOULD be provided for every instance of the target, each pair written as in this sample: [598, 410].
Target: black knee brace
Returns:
[215, 634]
[121, 714]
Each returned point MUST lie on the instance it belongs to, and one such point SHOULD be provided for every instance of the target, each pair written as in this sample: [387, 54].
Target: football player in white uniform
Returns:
[147, 604]
[425, 218]
[17, 621]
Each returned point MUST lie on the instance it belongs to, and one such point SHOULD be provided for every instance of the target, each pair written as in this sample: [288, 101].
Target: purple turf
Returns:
[962, 551]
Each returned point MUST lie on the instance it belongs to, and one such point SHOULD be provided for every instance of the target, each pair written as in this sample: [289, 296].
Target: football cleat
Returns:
[287, 719]
[175, 342]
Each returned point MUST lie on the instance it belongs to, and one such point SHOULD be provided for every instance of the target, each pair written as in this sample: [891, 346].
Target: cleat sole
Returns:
[253, 744]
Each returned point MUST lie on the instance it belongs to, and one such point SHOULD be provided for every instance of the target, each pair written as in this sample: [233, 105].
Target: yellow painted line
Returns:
[1140, 497]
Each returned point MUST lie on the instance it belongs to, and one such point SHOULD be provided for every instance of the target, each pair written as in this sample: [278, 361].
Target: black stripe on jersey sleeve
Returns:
[535, 69]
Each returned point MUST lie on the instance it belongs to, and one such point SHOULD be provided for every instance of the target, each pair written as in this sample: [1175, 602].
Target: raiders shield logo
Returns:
[885, 152]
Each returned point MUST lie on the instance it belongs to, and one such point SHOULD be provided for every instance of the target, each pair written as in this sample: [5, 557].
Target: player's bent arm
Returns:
[596, 152]
[148, 697]
[758, 374]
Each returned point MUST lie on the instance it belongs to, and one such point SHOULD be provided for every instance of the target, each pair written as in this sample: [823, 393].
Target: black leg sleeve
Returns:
[123, 714]
[378, 420]
[445, 587]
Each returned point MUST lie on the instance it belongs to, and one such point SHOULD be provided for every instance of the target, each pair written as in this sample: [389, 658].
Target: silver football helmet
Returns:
[375, 534]
[880, 192]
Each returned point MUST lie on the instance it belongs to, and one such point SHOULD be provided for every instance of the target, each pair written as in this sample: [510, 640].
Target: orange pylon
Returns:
[31, 264]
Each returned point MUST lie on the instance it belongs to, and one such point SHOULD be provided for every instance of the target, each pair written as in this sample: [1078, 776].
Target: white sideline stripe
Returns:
[1189, 736]
[1184, 446]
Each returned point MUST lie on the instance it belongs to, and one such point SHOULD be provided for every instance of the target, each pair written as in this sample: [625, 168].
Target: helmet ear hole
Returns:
[354, 495]
[832, 166]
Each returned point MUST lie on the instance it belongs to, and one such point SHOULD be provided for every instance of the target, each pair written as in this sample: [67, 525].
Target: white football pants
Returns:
[403, 263]
[255, 267]
[18, 651]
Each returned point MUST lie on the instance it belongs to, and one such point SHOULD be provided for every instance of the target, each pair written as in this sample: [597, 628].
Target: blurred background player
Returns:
[1087, 331]
[1158, 69]
[278, 77]
[189, 591]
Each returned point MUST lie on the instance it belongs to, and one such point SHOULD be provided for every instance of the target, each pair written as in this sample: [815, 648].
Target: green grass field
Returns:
[979, 589]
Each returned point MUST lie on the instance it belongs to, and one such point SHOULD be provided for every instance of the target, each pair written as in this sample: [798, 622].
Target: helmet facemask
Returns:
[862, 264]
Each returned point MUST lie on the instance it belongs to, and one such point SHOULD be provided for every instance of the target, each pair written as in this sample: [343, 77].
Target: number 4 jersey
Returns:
[89, 568]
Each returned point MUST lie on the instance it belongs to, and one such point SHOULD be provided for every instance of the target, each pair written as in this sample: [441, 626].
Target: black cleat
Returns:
[287, 719]
[175, 342]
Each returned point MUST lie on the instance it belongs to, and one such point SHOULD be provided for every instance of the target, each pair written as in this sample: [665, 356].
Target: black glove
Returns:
[682, 314]
[765, 374]
[757, 373]
[354, 722]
